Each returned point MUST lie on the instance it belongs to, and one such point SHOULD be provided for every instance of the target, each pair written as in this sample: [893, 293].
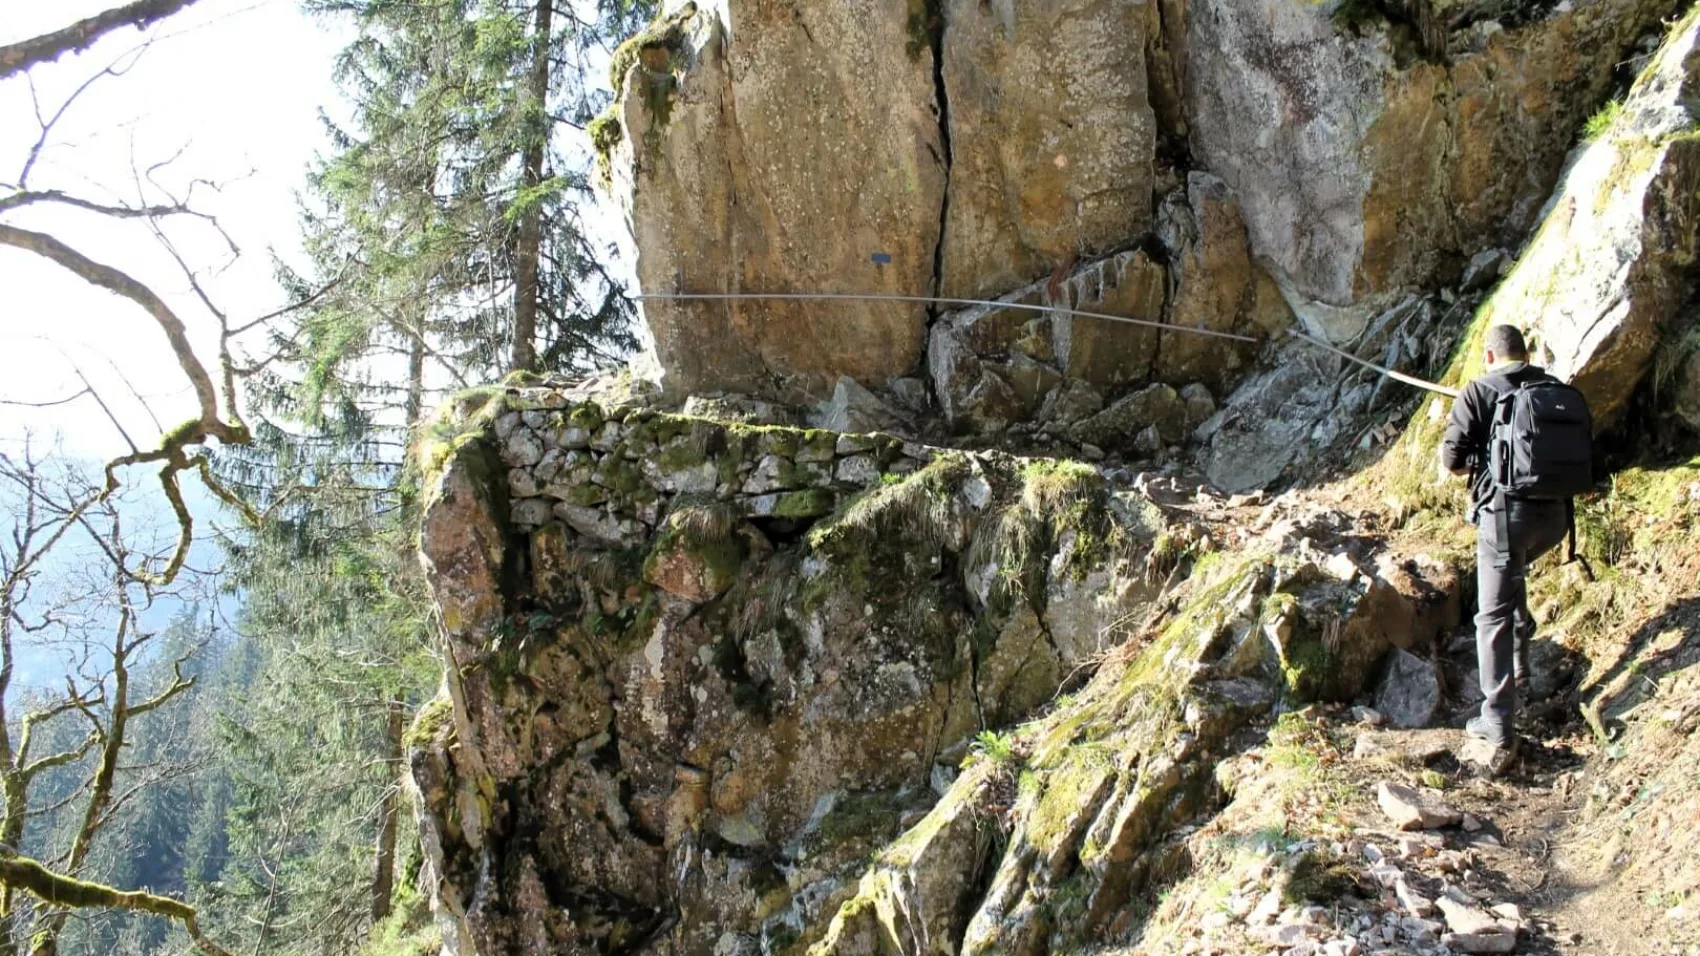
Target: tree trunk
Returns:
[383, 875]
[415, 407]
[529, 244]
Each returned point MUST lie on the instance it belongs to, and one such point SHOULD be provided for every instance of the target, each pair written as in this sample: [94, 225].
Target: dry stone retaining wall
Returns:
[611, 477]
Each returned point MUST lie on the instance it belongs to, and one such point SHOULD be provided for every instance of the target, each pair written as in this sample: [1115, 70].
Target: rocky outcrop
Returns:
[1614, 262]
[717, 683]
[1093, 801]
[1053, 137]
[698, 670]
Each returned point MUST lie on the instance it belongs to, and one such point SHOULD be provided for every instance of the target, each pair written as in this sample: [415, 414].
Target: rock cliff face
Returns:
[1203, 163]
[1612, 265]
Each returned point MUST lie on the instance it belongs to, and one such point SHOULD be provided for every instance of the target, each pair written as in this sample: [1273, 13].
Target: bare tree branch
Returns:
[19, 403]
[62, 198]
[117, 281]
[20, 56]
[117, 67]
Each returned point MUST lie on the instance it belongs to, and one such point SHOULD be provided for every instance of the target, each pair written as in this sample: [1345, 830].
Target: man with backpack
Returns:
[1525, 440]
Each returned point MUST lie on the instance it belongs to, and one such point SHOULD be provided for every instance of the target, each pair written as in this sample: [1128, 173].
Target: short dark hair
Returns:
[1506, 342]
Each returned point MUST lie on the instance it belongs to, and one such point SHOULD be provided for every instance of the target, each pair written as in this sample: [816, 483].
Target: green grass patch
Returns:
[1601, 123]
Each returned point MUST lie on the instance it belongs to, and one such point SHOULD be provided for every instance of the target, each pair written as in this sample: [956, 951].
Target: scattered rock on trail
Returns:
[1416, 903]
[1479, 943]
[1417, 748]
[1469, 920]
[1410, 810]
[1410, 693]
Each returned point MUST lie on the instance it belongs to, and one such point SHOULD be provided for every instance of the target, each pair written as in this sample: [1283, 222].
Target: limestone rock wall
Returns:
[784, 147]
[1053, 138]
[1363, 167]
[1209, 163]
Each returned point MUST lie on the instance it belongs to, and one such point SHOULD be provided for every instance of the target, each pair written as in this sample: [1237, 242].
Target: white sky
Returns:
[236, 85]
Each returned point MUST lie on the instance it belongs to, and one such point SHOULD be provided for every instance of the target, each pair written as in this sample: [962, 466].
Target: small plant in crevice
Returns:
[993, 746]
[1599, 124]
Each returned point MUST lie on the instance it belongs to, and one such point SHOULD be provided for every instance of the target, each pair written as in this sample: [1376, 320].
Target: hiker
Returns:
[1525, 440]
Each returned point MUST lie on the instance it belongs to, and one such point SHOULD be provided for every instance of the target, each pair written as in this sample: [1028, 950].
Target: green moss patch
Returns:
[430, 721]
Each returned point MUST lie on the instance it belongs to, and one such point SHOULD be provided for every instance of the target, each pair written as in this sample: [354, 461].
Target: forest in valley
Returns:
[213, 641]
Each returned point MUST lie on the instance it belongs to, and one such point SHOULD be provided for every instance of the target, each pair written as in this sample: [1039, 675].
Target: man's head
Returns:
[1505, 344]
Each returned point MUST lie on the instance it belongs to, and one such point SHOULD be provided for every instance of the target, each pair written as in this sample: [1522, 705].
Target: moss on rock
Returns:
[429, 722]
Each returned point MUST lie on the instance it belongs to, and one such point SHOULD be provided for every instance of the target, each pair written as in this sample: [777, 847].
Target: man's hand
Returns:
[1444, 474]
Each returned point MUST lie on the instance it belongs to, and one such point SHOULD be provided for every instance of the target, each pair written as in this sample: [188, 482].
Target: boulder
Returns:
[1200, 404]
[1484, 269]
[1410, 693]
[853, 408]
[1612, 265]
[1155, 406]
[728, 188]
[1028, 193]
[1070, 402]
[992, 404]
[1031, 379]
[1469, 919]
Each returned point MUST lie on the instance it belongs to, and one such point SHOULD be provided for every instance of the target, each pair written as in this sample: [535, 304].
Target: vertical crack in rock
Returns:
[936, 27]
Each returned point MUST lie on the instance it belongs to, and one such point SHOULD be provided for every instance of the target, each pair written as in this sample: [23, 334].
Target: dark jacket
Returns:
[1466, 442]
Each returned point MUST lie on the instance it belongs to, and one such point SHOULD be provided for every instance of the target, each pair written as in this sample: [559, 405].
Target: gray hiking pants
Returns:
[1503, 624]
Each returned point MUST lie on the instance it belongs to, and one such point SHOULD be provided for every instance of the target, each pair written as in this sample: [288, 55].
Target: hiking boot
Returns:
[1480, 728]
[1490, 750]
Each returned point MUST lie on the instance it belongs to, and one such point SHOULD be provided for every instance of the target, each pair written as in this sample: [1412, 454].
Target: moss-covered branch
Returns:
[23, 873]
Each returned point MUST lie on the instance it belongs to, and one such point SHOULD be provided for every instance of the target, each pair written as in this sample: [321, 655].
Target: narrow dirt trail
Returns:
[1593, 843]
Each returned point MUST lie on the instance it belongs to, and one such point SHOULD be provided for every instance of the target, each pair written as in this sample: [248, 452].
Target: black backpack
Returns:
[1541, 448]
